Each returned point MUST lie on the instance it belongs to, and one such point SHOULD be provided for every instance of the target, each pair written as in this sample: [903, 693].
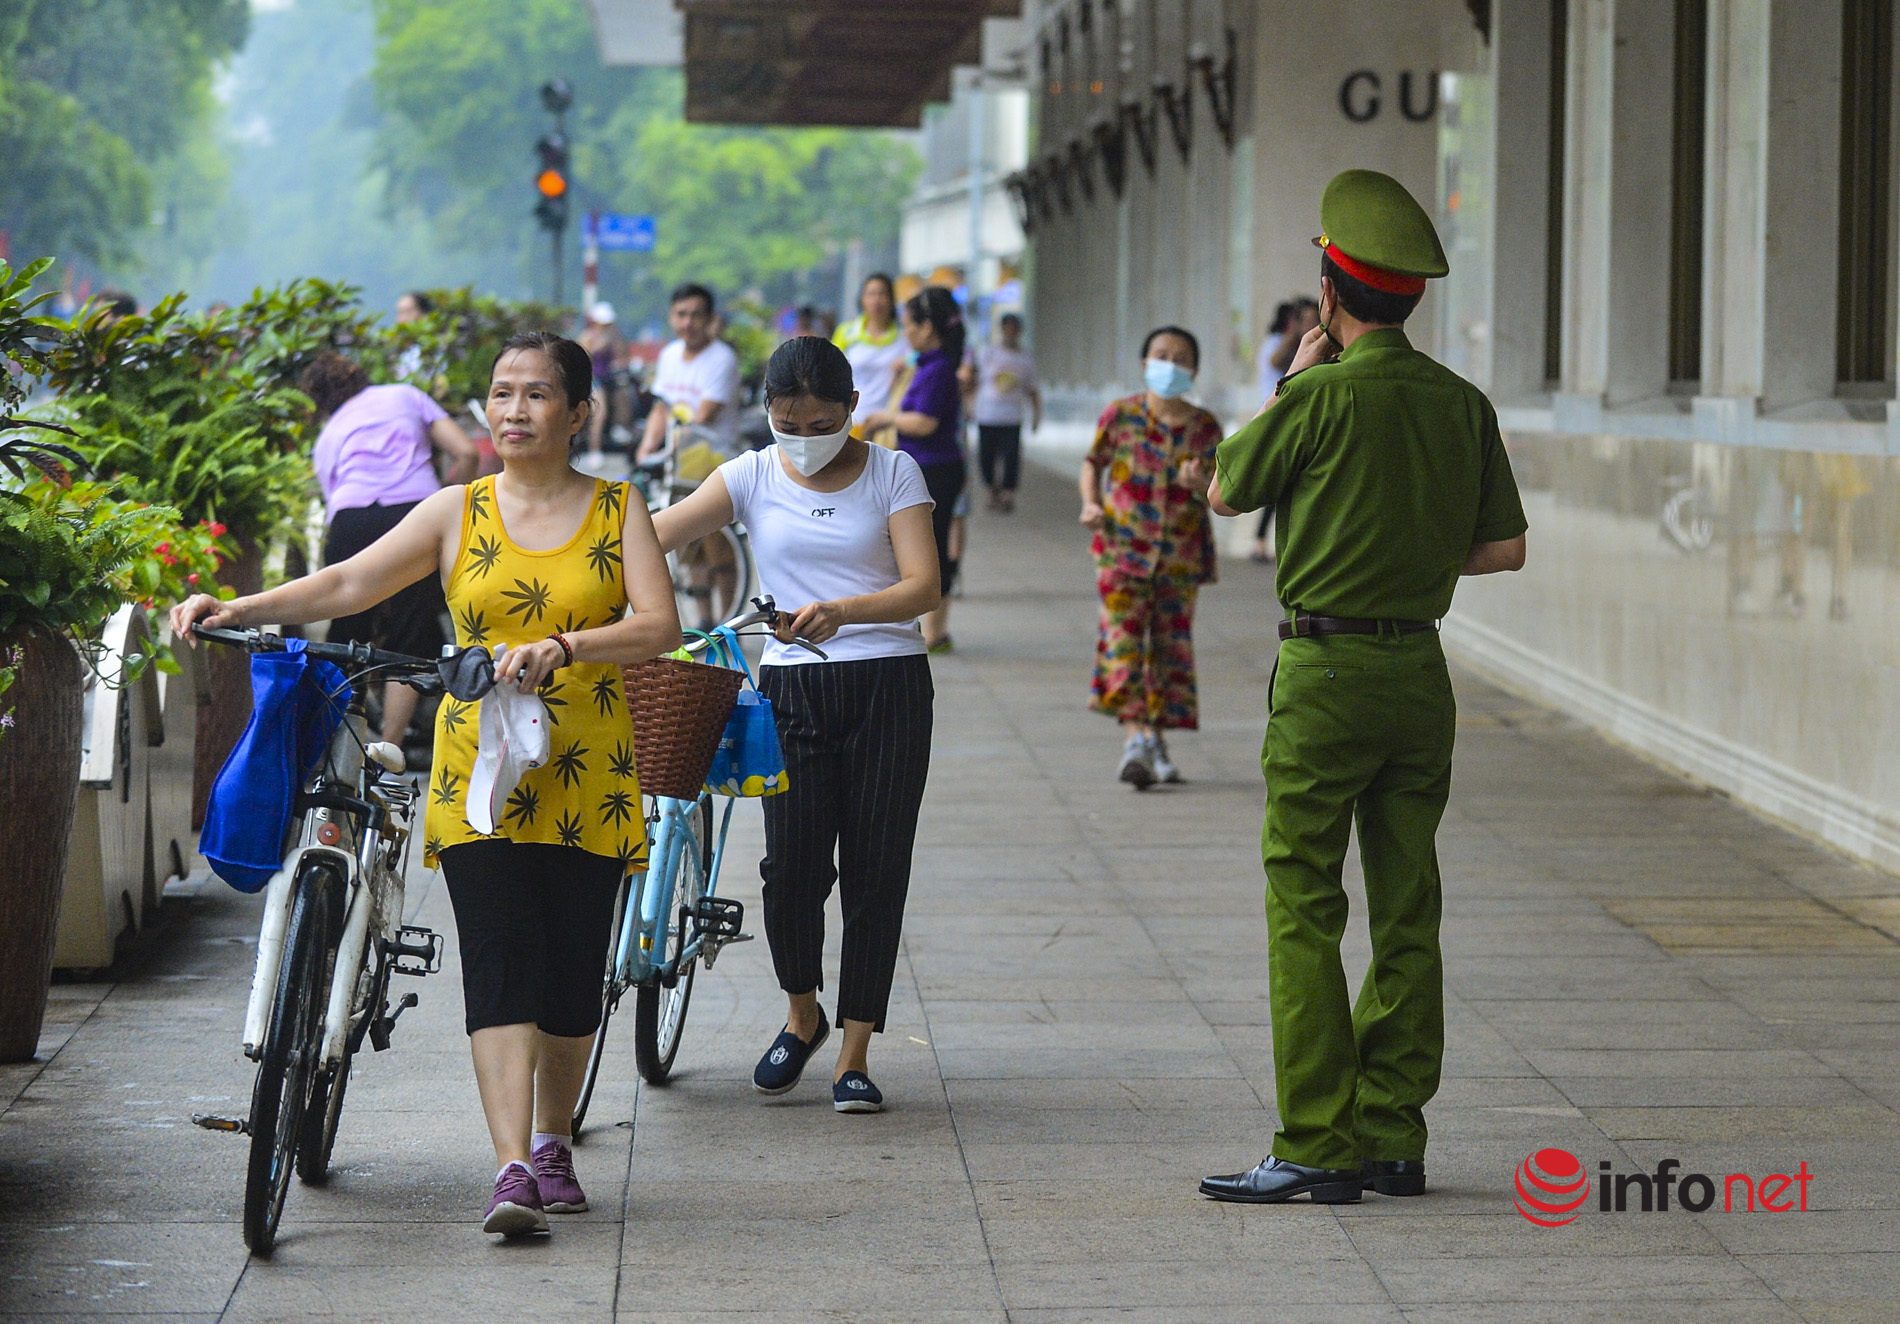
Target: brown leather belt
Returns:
[1300, 626]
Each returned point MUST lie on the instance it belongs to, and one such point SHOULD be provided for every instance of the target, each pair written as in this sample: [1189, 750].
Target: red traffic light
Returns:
[552, 183]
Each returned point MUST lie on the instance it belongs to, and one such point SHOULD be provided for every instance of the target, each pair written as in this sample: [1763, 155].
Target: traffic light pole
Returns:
[560, 130]
[551, 181]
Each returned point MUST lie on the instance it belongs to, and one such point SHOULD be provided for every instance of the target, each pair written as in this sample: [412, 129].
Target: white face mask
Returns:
[810, 454]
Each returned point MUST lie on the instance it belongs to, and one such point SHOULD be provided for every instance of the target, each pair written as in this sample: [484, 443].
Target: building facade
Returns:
[1180, 147]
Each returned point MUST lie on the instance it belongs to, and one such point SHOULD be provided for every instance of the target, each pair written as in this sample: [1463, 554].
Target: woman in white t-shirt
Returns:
[842, 533]
[870, 341]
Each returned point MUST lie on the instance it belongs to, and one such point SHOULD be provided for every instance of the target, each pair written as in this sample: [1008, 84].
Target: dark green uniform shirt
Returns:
[1382, 469]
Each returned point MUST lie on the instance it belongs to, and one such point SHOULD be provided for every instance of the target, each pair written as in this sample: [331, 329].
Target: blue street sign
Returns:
[623, 231]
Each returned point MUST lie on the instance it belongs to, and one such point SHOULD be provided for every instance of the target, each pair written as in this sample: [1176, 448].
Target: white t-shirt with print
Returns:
[1004, 378]
[711, 374]
[821, 546]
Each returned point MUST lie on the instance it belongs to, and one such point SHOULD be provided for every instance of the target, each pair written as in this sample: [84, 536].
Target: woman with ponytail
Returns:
[929, 423]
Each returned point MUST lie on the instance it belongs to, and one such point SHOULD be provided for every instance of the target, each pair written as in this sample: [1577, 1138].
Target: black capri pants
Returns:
[410, 620]
[945, 484]
[999, 454]
[856, 737]
[533, 922]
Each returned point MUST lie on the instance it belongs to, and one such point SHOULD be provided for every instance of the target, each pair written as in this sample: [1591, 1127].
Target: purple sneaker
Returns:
[516, 1209]
[561, 1191]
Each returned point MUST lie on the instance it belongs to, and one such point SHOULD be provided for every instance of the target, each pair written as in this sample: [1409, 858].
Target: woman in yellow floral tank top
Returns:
[501, 594]
[541, 564]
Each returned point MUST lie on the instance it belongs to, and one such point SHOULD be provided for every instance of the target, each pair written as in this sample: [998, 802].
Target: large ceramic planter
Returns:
[39, 785]
[225, 704]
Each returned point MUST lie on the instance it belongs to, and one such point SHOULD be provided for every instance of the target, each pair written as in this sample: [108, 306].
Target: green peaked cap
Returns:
[1369, 216]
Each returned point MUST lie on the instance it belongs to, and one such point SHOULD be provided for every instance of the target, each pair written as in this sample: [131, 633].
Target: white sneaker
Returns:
[1138, 767]
[1163, 765]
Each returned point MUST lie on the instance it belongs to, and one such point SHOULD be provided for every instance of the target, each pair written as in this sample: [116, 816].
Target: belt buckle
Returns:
[1302, 625]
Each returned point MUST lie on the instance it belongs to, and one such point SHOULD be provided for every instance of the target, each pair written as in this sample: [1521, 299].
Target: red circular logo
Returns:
[1551, 1187]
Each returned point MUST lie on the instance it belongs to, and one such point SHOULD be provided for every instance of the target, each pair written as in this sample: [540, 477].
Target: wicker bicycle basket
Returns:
[680, 710]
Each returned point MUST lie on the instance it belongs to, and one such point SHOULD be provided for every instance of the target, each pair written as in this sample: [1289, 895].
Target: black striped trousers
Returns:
[857, 752]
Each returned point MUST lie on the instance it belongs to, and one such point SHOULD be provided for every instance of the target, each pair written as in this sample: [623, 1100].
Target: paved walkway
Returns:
[1637, 971]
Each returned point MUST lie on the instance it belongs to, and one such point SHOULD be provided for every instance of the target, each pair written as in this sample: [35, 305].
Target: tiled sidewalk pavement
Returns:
[1636, 971]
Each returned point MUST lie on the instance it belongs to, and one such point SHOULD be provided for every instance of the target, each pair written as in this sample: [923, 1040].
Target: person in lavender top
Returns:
[929, 422]
[375, 460]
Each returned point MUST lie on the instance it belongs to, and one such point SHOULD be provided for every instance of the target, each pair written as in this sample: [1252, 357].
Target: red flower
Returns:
[191, 579]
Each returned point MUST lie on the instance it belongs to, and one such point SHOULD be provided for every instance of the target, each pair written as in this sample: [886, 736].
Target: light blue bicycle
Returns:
[670, 919]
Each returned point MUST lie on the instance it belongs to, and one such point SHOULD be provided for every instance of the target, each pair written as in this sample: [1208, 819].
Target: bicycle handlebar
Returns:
[767, 614]
[261, 641]
[425, 675]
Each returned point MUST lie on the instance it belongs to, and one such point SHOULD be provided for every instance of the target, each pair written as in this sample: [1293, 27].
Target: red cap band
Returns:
[1377, 277]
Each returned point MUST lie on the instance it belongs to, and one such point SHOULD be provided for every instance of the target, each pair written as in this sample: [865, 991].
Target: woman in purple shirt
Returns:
[375, 460]
[929, 423]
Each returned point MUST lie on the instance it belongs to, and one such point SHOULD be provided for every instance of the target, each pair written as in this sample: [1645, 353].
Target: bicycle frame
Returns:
[353, 850]
[650, 899]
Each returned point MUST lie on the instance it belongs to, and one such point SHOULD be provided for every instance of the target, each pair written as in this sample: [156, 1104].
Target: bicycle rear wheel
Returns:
[659, 1012]
[610, 990]
[288, 1065]
[712, 577]
[325, 1110]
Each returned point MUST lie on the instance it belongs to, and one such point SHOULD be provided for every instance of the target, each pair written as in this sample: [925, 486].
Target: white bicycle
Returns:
[332, 934]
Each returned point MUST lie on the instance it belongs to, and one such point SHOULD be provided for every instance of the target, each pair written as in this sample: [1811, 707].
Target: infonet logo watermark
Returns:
[1553, 1187]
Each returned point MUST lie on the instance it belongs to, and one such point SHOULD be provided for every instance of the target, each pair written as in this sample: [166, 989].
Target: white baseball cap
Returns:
[513, 739]
[601, 312]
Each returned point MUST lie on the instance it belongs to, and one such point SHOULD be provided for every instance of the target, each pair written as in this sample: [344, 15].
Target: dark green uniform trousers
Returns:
[1360, 729]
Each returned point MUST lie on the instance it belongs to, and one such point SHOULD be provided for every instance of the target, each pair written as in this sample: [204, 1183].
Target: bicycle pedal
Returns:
[229, 1125]
[717, 918]
[418, 945]
[380, 1027]
[709, 952]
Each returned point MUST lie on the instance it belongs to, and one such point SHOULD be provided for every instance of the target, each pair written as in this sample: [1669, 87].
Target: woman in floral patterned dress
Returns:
[1144, 493]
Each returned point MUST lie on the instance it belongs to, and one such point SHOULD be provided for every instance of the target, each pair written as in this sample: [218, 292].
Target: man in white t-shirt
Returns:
[696, 373]
[1005, 391]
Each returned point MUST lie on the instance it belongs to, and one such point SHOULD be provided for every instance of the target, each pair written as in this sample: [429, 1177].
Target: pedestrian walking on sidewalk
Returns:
[375, 460]
[1392, 481]
[1004, 380]
[1144, 493]
[873, 343]
[929, 423]
[842, 530]
[545, 561]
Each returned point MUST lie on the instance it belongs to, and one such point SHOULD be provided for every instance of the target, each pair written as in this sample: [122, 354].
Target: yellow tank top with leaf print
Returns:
[587, 795]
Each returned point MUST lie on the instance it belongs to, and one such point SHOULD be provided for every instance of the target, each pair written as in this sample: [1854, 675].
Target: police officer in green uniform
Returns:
[1388, 480]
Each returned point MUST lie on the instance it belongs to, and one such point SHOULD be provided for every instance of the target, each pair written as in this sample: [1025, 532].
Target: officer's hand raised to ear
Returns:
[1315, 347]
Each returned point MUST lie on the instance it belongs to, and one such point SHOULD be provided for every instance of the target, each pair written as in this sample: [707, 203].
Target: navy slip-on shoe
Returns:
[853, 1092]
[784, 1062]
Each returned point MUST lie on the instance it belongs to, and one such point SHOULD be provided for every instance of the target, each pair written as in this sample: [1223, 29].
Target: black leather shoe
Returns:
[1276, 1180]
[1394, 1176]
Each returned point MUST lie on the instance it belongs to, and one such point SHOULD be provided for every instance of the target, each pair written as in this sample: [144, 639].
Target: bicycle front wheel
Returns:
[289, 1064]
[659, 1012]
[610, 990]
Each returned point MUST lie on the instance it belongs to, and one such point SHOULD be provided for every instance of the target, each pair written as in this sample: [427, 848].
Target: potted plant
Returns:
[195, 411]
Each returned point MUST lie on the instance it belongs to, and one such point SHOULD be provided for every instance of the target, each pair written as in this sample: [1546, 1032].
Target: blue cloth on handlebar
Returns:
[297, 702]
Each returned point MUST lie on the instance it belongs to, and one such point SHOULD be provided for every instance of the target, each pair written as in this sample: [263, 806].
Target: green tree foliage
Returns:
[746, 209]
[306, 197]
[105, 107]
[457, 82]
